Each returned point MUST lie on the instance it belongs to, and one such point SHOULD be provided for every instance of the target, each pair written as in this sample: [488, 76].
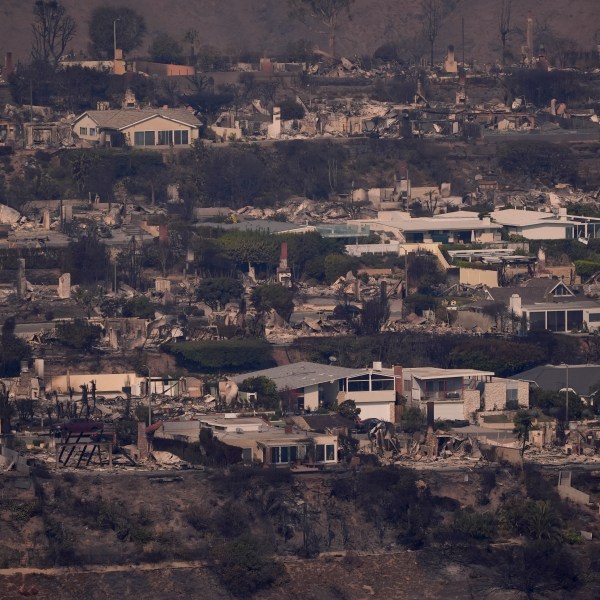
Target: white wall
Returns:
[376, 410]
[448, 410]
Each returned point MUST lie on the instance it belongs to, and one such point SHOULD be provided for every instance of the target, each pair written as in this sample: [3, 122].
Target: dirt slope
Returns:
[264, 25]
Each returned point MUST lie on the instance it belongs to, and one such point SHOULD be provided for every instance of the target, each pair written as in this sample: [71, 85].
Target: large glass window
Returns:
[574, 320]
[180, 137]
[556, 320]
[358, 385]
[165, 138]
[379, 383]
[537, 321]
[594, 317]
[144, 138]
[83, 131]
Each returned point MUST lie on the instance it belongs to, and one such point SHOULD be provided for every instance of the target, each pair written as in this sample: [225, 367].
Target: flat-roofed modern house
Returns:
[143, 128]
[556, 225]
[451, 228]
[458, 394]
[314, 385]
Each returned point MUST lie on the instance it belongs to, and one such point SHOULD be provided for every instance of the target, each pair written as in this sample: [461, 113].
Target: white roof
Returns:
[437, 373]
[526, 218]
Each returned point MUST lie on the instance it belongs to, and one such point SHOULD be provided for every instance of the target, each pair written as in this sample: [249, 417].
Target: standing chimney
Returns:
[21, 280]
[8, 65]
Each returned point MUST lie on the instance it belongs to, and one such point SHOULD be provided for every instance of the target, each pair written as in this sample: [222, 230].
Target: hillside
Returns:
[265, 25]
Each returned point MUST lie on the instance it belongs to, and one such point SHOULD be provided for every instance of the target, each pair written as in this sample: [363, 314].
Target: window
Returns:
[358, 385]
[537, 321]
[83, 131]
[329, 452]
[320, 453]
[92, 131]
[325, 452]
[285, 455]
[594, 318]
[165, 138]
[574, 320]
[293, 454]
[379, 383]
[180, 137]
[144, 138]
[300, 403]
[512, 395]
[556, 320]
[275, 455]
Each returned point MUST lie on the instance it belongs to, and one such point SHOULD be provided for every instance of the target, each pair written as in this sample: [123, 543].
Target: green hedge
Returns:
[223, 356]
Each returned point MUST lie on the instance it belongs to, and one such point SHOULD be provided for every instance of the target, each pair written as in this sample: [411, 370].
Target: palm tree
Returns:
[543, 522]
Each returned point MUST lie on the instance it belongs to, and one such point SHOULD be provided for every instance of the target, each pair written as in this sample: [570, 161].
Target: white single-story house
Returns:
[141, 128]
[450, 228]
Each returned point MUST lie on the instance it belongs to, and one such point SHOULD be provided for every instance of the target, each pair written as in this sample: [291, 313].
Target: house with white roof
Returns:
[450, 228]
[554, 225]
[140, 128]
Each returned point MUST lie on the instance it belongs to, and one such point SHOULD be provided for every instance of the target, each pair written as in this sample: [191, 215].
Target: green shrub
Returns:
[243, 568]
[223, 356]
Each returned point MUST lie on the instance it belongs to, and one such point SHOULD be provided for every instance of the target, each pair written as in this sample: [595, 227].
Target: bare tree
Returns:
[504, 25]
[52, 29]
[326, 12]
[431, 12]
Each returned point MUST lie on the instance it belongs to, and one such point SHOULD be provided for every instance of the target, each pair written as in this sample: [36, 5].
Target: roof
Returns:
[534, 291]
[526, 218]
[435, 224]
[437, 373]
[554, 377]
[121, 119]
[302, 374]
[320, 423]
[265, 226]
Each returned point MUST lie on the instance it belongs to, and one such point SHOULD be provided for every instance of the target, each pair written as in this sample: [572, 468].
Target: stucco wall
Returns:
[479, 276]
[311, 397]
